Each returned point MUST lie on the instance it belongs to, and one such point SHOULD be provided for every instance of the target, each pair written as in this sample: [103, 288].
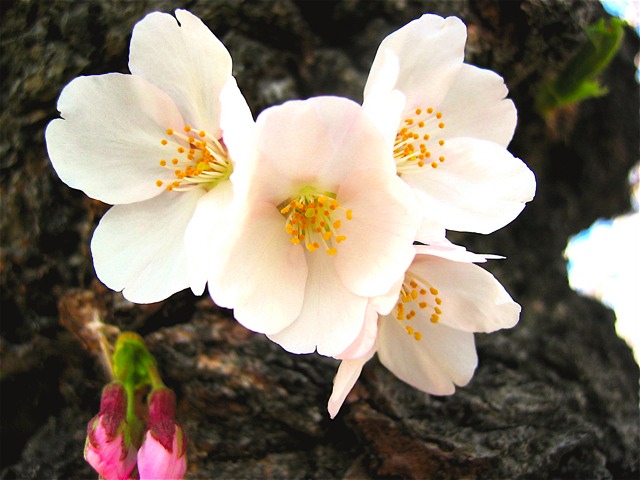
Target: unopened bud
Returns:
[108, 446]
[162, 454]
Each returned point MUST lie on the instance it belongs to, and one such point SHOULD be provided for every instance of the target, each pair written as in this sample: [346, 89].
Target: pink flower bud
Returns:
[108, 447]
[162, 454]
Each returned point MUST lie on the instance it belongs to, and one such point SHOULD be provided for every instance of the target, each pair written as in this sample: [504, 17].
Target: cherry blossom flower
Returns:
[426, 339]
[449, 123]
[327, 225]
[153, 144]
[162, 454]
[108, 447]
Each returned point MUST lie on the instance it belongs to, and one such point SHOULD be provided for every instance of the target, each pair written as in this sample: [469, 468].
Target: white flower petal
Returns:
[209, 234]
[385, 111]
[379, 244]
[430, 51]
[315, 142]
[472, 299]
[331, 316]
[187, 61]
[108, 142]
[366, 338]
[264, 276]
[456, 253]
[139, 248]
[479, 188]
[476, 107]
[383, 304]
[346, 377]
[443, 358]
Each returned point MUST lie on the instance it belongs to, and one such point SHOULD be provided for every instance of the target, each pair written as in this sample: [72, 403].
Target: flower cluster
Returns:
[322, 223]
[118, 446]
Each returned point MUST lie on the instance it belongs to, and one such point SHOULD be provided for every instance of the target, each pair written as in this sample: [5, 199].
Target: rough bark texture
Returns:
[556, 397]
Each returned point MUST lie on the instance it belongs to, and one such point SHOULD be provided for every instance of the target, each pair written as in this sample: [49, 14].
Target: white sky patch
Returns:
[604, 263]
[628, 10]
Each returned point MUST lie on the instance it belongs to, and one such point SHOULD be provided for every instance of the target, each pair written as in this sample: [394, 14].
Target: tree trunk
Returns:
[555, 397]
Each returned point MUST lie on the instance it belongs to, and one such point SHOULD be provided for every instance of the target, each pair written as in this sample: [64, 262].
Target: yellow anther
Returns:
[169, 131]
[295, 240]
[327, 235]
[433, 291]
[409, 330]
[187, 128]
[341, 238]
[426, 137]
[418, 111]
[441, 125]
[420, 124]
[311, 247]
[201, 133]
[437, 310]
[414, 294]
[163, 141]
[439, 301]
[158, 183]
[434, 318]
[409, 121]
[429, 110]
[422, 305]
[439, 115]
[434, 165]
[417, 336]
[163, 163]
[423, 291]
[441, 142]
[174, 161]
[337, 223]
[332, 251]
[441, 159]
[349, 214]
[413, 284]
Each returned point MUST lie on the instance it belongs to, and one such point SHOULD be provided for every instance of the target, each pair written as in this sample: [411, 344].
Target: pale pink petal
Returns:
[379, 244]
[238, 135]
[331, 317]
[315, 142]
[472, 299]
[183, 58]
[430, 231]
[476, 107]
[480, 187]
[209, 234]
[139, 248]
[346, 377]
[443, 358]
[107, 143]
[430, 52]
[383, 304]
[366, 338]
[264, 276]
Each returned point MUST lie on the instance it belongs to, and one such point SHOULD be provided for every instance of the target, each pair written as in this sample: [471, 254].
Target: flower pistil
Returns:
[416, 140]
[200, 160]
[311, 219]
[417, 294]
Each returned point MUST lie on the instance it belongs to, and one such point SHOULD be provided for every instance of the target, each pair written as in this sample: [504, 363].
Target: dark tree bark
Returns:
[555, 397]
